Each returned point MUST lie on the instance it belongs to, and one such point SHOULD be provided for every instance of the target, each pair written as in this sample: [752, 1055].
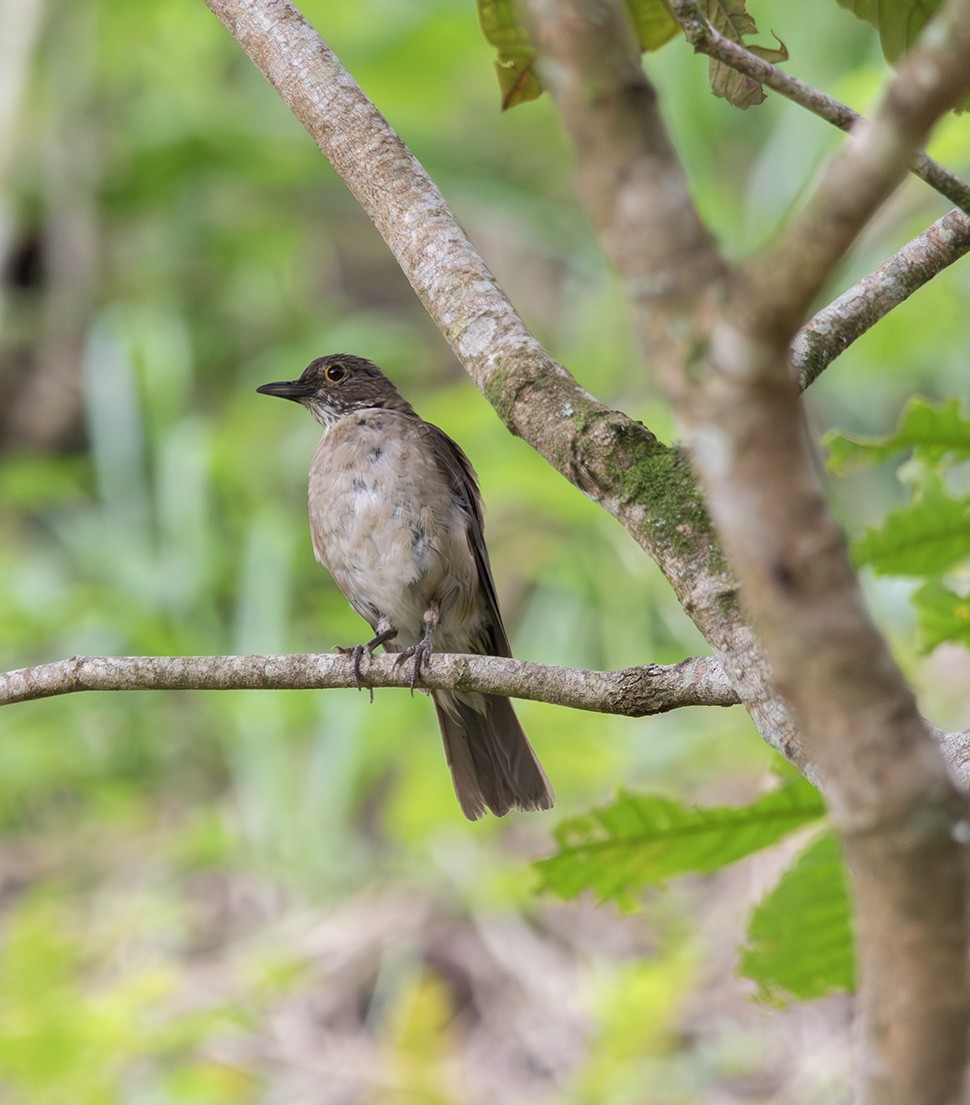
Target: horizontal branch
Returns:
[632, 692]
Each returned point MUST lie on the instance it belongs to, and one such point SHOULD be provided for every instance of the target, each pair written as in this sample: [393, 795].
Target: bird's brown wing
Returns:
[492, 763]
[458, 468]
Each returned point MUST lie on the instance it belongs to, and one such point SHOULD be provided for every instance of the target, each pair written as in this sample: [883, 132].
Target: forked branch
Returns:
[707, 40]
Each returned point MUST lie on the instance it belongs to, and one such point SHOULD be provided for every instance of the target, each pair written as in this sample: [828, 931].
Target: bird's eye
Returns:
[335, 373]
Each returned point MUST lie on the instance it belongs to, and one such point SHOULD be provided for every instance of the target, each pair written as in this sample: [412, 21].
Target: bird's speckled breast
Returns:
[385, 522]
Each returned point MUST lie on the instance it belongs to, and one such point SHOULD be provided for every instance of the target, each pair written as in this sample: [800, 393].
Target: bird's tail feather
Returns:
[491, 761]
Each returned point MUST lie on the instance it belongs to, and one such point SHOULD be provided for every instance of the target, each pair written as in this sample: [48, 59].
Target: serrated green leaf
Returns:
[942, 616]
[933, 431]
[642, 841]
[800, 935]
[927, 537]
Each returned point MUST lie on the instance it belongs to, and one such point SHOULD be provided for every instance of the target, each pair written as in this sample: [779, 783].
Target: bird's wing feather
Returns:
[458, 468]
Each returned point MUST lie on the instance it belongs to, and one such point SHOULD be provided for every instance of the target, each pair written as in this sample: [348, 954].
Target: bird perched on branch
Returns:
[397, 519]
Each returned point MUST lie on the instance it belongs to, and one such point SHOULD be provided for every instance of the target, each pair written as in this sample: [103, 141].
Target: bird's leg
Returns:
[421, 652]
[384, 633]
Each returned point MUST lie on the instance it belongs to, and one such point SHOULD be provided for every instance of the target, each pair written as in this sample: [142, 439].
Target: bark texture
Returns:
[633, 692]
[613, 459]
[900, 816]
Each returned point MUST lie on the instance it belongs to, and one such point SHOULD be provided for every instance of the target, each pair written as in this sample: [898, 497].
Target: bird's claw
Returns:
[356, 653]
[420, 653]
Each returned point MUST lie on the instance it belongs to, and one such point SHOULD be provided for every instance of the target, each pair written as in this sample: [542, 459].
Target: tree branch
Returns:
[614, 460]
[837, 326]
[832, 330]
[777, 285]
[534, 395]
[888, 789]
[632, 692]
[707, 40]
[450, 278]
[900, 817]
[630, 179]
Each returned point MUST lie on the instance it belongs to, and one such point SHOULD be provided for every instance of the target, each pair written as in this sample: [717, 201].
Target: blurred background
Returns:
[273, 897]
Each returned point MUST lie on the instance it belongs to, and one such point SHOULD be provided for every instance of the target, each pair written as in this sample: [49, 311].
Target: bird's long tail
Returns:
[491, 761]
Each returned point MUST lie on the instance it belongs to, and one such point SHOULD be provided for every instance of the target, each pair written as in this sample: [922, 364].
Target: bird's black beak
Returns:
[296, 390]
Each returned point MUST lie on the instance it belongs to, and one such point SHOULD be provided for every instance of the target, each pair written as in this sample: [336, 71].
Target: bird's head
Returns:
[337, 385]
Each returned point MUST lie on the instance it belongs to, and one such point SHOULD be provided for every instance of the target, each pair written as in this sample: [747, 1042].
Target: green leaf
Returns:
[942, 616]
[654, 24]
[861, 9]
[800, 935]
[899, 22]
[927, 537]
[934, 431]
[642, 841]
[504, 30]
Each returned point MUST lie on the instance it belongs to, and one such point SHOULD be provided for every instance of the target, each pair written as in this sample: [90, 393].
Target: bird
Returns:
[397, 519]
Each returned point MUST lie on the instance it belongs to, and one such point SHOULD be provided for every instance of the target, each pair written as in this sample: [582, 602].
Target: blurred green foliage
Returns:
[173, 864]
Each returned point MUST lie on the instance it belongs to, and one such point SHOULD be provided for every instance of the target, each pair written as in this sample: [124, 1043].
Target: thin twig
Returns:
[705, 39]
[778, 283]
[632, 692]
[838, 325]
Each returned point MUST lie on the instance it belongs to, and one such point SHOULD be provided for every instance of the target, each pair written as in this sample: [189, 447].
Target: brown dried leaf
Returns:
[731, 19]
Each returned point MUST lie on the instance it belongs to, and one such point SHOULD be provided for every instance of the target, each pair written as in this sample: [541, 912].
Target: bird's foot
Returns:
[357, 652]
[420, 653]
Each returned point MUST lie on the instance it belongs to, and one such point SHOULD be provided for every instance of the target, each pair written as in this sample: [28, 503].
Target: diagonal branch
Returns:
[613, 459]
[833, 329]
[632, 692]
[590, 444]
[707, 40]
[449, 276]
